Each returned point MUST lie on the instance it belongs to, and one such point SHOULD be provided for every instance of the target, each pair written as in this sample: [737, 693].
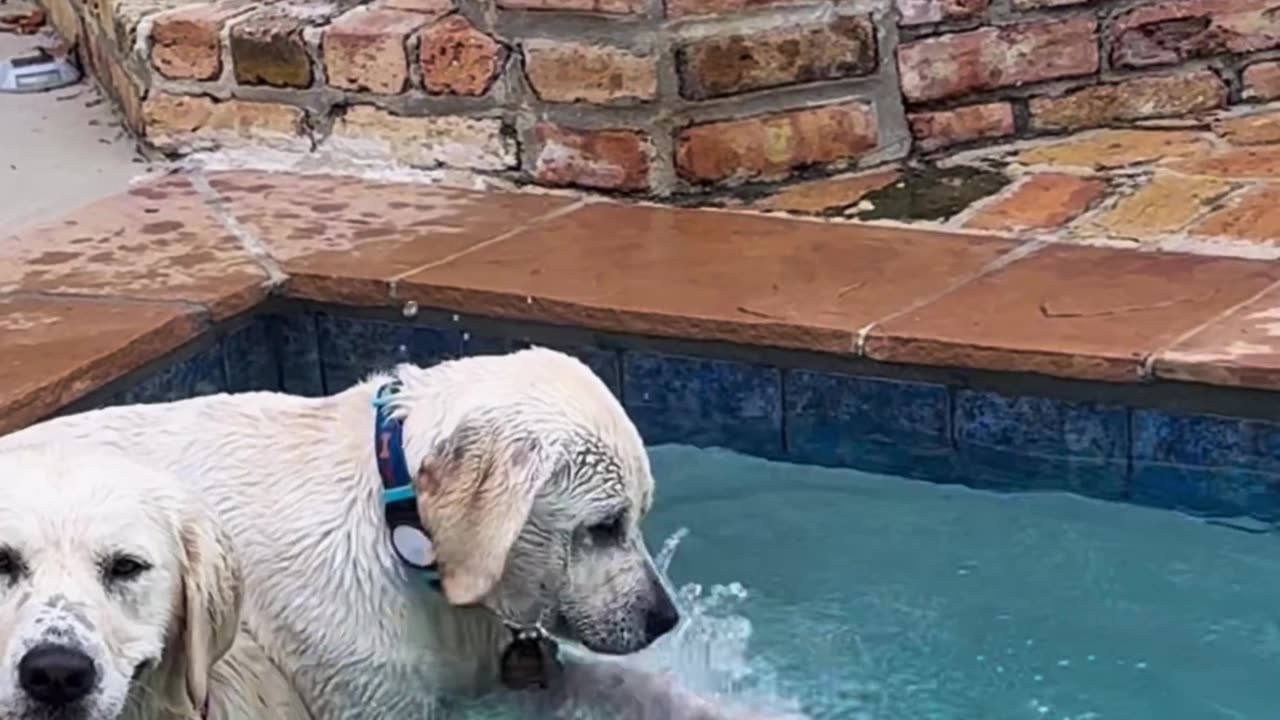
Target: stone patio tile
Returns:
[1162, 206]
[706, 275]
[1044, 201]
[1240, 350]
[1110, 149]
[342, 239]
[832, 193]
[54, 350]
[1253, 216]
[156, 242]
[1261, 129]
[1250, 162]
[1075, 312]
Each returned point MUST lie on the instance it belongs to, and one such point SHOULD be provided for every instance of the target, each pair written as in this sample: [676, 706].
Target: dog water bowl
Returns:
[36, 72]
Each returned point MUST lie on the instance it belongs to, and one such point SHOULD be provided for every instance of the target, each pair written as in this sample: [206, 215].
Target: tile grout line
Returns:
[1025, 249]
[1147, 367]
[394, 283]
[276, 276]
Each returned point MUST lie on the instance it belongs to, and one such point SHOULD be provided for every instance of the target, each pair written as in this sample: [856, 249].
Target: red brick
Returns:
[935, 130]
[267, 49]
[694, 8]
[613, 7]
[1147, 97]
[573, 72]
[1042, 202]
[1165, 33]
[458, 59]
[1040, 4]
[997, 57]
[774, 145]
[427, 7]
[365, 50]
[186, 43]
[1262, 81]
[724, 65]
[602, 159]
[921, 12]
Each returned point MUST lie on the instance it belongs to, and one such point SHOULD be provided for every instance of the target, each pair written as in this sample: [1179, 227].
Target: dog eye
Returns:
[10, 563]
[123, 568]
[607, 531]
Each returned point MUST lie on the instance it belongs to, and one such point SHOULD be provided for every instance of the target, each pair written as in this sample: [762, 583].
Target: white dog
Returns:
[530, 483]
[118, 594]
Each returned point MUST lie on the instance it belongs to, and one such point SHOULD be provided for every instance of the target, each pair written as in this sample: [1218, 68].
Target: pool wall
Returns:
[1202, 450]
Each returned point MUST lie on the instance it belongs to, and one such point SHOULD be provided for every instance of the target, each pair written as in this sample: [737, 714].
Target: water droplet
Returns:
[1064, 663]
[456, 318]
[410, 309]
[466, 337]
[1140, 665]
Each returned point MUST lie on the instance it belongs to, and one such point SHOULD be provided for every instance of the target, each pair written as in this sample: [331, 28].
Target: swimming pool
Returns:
[887, 599]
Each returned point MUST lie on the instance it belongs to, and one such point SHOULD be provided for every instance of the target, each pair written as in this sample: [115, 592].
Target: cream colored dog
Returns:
[120, 598]
[530, 480]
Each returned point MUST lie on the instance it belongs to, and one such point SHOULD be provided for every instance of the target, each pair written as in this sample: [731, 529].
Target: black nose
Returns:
[661, 618]
[56, 675]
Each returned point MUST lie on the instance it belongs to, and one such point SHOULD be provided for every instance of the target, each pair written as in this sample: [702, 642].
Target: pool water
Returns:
[860, 596]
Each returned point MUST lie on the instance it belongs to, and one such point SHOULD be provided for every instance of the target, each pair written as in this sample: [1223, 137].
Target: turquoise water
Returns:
[857, 596]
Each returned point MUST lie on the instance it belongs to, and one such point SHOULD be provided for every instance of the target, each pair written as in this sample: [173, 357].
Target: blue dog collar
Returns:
[410, 540]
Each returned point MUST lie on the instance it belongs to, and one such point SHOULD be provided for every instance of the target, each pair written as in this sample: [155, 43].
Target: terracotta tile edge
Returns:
[219, 207]
[512, 306]
[1165, 362]
[36, 403]
[1020, 252]
[938, 352]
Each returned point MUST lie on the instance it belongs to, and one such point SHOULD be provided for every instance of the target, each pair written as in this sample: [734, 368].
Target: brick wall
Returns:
[663, 96]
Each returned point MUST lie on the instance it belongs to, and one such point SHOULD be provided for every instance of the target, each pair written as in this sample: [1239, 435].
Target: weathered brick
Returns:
[1110, 149]
[364, 49]
[1040, 4]
[694, 8]
[368, 133]
[1041, 202]
[115, 79]
[774, 145]
[717, 66]
[1254, 216]
[1165, 205]
[613, 7]
[267, 49]
[573, 72]
[936, 130]
[458, 59]
[1261, 81]
[1135, 99]
[602, 159]
[1263, 129]
[185, 122]
[186, 43]
[997, 57]
[921, 12]
[426, 7]
[1165, 33]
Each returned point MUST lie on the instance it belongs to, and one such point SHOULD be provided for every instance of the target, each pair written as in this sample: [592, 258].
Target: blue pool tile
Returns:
[201, 374]
[249, 354]
[1206, 464]
[298, 349]
[603, 362]
[703, 402]
[1036, 443]
[352, 348]
[884, 426]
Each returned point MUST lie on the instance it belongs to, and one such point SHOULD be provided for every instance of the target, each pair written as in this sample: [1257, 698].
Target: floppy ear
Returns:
[211, 605]
[475, 493]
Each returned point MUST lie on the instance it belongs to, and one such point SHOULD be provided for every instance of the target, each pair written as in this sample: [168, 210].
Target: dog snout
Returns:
[56, 675]
[661, 618]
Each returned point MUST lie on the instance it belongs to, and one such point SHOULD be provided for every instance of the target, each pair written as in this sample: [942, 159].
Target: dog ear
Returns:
[210, 605]
[475, 493]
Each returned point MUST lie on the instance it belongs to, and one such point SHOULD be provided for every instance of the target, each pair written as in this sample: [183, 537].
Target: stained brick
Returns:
[267, 49]
[1147, 97]
[1165, 33]
[936, 130]
[997, 57]
[186, 43]
[365, 50]
[920, 12]
[725, 65]
[457, 58]
[578, 72]
[1261, 81]
[693, 8]
[602, 159]
[774, 145]
[615, 7]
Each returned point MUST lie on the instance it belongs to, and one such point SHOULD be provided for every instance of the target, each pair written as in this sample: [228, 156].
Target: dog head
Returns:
[116, 588]
[533, 485]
